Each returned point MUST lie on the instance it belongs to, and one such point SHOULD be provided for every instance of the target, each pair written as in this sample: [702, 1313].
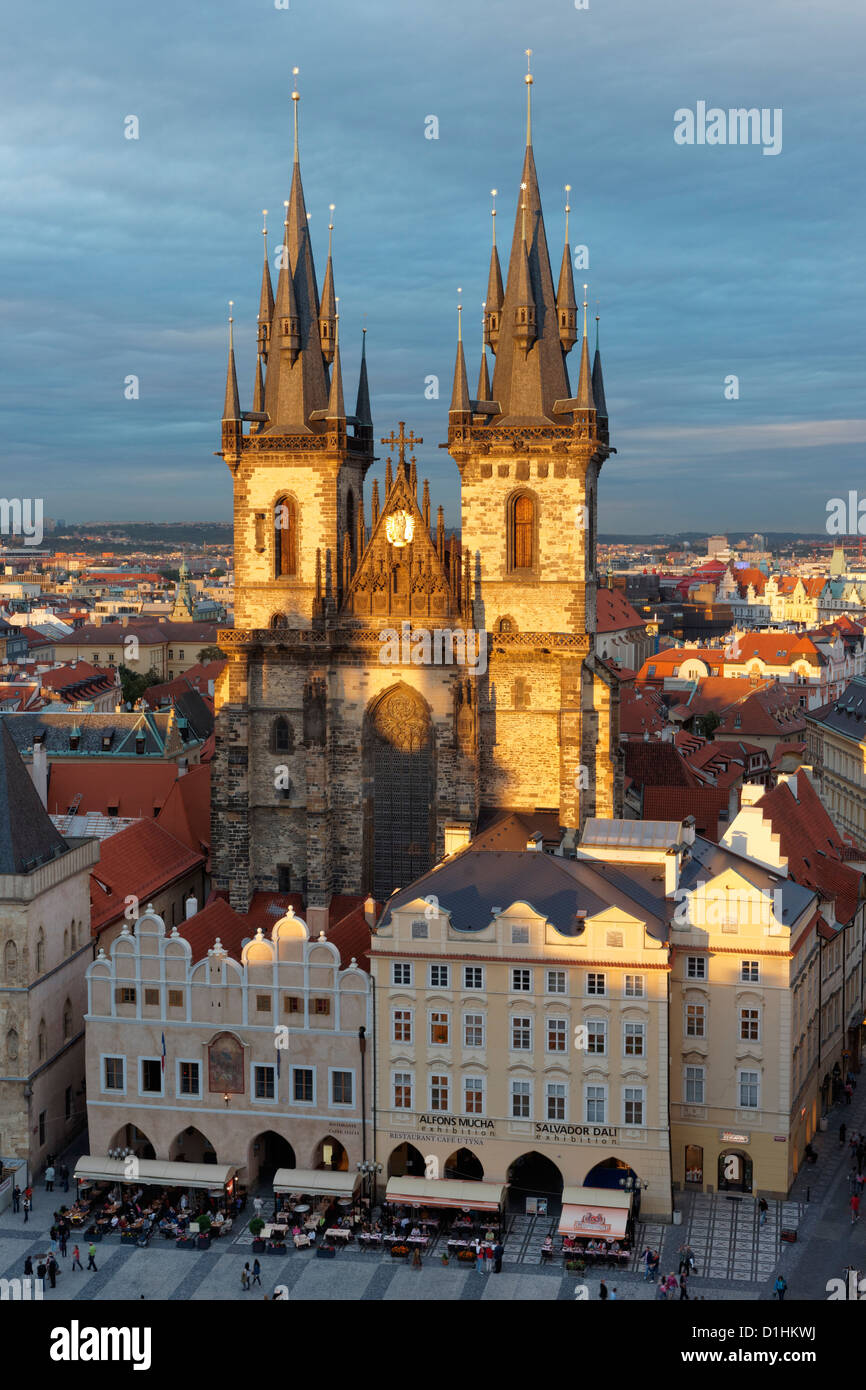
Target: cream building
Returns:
[264, 1061]
[44, 951]
[522, 1025]
[836, 737]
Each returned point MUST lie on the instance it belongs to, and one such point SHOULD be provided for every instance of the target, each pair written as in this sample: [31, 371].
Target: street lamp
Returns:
[369, 1172]
[631, 1183]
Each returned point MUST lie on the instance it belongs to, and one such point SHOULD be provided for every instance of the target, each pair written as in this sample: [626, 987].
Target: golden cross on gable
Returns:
[401, 441]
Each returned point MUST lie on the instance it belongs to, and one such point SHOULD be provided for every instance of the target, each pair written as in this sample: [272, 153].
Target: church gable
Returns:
[401, 573]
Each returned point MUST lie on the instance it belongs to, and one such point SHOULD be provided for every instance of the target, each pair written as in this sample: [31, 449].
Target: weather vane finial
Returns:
[567, 210]
[528, 80]
[493, 193]
[459, 317]
[296, 96]
[331, 207]
[585, 288]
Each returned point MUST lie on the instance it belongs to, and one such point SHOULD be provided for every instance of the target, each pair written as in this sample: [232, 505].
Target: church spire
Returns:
[232, 408]
[528, 80]
[328, 312]
[530, 374]
[598, 379]
[460, 393]
[336, 404]
[259, 388]
[266, 299]
[584, 385]
[363, 413]
[566, 304]
[495, 295]
[483, 375]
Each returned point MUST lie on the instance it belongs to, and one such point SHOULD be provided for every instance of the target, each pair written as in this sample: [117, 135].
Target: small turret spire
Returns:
[285, 331]
[495, 294]
[266, 300]
[374, 503]
[524, 327]
[328, 311]
[483, 375]
[336, 405]
[460, 392]
[259, 390]
[584, 385]
[232, 408]
[598, 380]
[363, 413]
[566, 305]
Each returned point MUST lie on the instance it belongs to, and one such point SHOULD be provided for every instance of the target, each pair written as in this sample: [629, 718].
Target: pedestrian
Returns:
[498, 1252]
[52, 1272]
[91, 1256]
[28, 1266]
[64, 1177]
[654, 1263]
[49, 1179]
[763, 1208]
[63, 1241]
[488, 1258]
[849, 1091]
[16, 1197]
[613, 1292]
[842, 1132]
[479, 1257]
[854, 1204]
[648, 1266]
[416, 1257]
[245, 1277]
[780, 1288]
[76, 1258]
[257, 1203]
[662, 1288]
[40, 1272]
[257, 1274]
[685, 1259]
[26, 1206]
[684, 1288]
[602, 1291]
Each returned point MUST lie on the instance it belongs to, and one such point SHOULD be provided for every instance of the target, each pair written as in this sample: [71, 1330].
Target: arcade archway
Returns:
[464, 1166]
[266, 1153]
[406, 1161]
[533, 1175]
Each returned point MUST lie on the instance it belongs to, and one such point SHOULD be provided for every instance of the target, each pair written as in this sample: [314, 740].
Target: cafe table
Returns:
[338, 1233]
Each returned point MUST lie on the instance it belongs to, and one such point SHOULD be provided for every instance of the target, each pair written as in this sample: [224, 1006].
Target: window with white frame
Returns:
[342, 1087]
[521, 981]
[150, 1076]
[557, 1035]
[520, 936]
[596, 983]
[188, 1078]
[750, 1025]
[440, 1091]
[420, 930]
[556, 1098]
[402, 1090]
[556, 982]
[521, 1100]
[596, 1104]
[440, 976]
[473, 1095]
[750, 972]
[596, 1035]
[264, 1082]
[696, 1020]
[473, 1030]
[113, 1074]
[633, 1105]
[401, 1020]
[748, 1087]
[633, 1039]
[440, 1028]
[401, 972]
[696, 967]
[303, 1085]
[521, 1034]
[473, 977]
[694, 1081]
[634, 987]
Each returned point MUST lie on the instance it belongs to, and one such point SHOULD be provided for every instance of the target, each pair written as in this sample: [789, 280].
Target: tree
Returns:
[706, 724]
[134, 683]
[209, 654]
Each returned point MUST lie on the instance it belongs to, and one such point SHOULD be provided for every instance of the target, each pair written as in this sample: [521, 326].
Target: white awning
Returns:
[316, 1182]
[151, 1171]
[433, 1192]
[594, 1213]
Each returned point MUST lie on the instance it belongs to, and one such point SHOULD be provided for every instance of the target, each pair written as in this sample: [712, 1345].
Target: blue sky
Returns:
[119, 256]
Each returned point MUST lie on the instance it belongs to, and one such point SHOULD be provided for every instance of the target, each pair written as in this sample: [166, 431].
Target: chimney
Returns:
[689, 830]
[190, 907]
[751, 793]
[370, 911]
[672, 870]
[534, 841]
[790, 779]
[38, 770]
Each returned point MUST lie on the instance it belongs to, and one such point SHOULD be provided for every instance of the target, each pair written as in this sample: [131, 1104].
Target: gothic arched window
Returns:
[285, 537]
[40, 951]
[10, 962]
[283, 737]
[12, 1045]
[42, 1043]
[67, 1020]
[521, 532]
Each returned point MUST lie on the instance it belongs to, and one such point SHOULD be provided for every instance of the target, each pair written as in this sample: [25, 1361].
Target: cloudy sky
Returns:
[119, 256]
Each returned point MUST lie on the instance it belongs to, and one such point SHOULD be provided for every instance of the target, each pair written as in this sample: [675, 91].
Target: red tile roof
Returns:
[675, 803]
[812, 843]
[656, 763]
[137, 862]
[134, 788]
[186, 812]
[614, 613]
[216, 919]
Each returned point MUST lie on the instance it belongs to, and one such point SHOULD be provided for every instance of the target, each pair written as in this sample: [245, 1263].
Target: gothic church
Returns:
[338, 771]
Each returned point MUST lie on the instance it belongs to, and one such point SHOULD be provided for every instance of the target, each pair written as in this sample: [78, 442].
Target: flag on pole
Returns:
[163, 1053]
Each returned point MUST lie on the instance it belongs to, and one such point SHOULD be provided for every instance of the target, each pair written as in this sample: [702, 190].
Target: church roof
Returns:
[27, 836]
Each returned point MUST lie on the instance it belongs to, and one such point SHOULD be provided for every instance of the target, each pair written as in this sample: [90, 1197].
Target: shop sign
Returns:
[576, 1134]
[729, 1136]
[455, 1124]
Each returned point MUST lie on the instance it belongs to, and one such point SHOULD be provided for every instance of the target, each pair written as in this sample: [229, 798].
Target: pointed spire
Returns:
[483, 375]
[232, 408]
[328, 312]
[460, 393]
[374, 503]
[524, 308]
[495, 295]
[259, 388]
[413, 476]
[363, 413]
[584, 385]
[361, 536]
[266, 299]
[566, 304]
[440, 533]
[285, 332]
[425, 504]
[598, 379]
[336, 405]
[389, 478]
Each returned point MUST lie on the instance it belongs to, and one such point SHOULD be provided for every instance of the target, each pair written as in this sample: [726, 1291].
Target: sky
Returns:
[706, 261]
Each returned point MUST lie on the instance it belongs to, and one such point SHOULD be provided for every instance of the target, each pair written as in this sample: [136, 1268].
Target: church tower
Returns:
[529, 459]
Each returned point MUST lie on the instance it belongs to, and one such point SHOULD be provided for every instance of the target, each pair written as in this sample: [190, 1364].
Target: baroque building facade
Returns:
[387, 688]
